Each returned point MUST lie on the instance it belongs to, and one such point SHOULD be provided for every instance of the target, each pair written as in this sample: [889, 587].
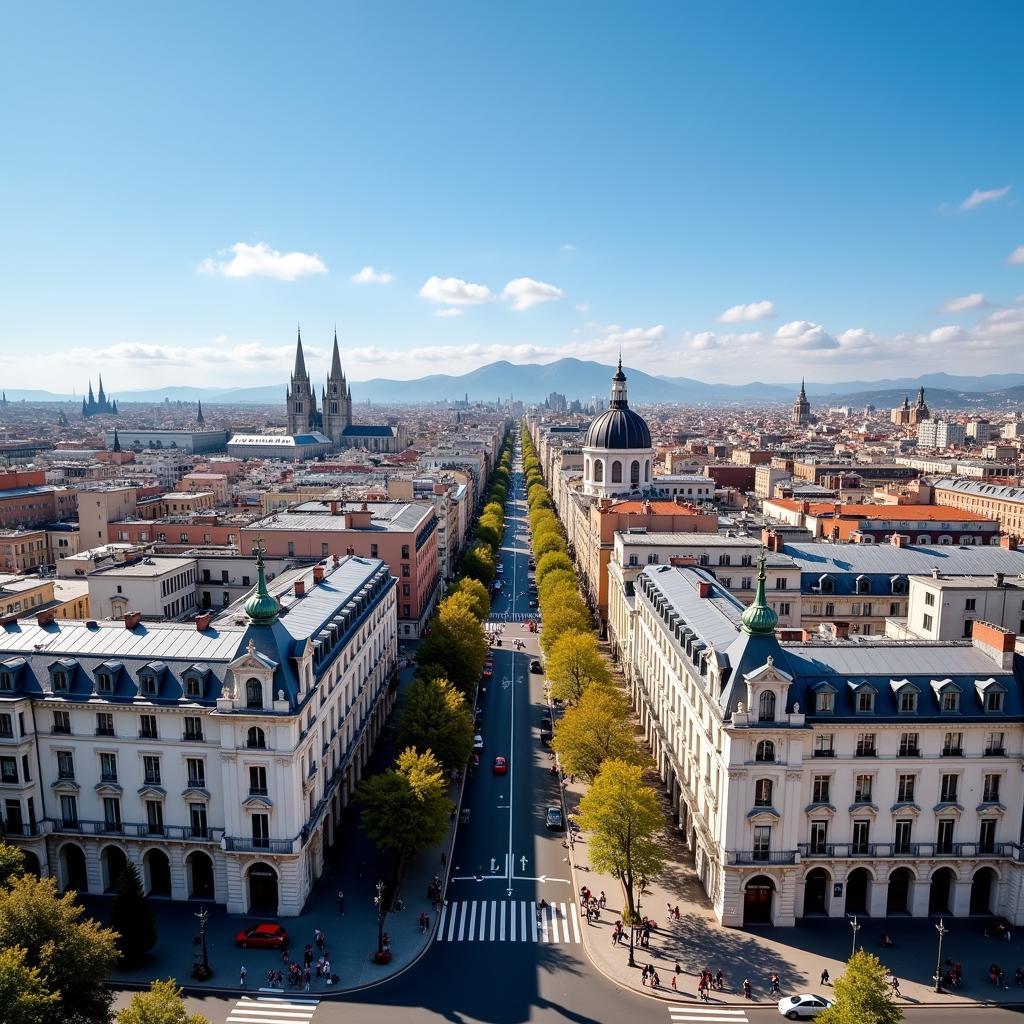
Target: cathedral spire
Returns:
[803, 393]
[199, 413]
[117, 441]
[336, 373]
[101, 398]
[300, 362]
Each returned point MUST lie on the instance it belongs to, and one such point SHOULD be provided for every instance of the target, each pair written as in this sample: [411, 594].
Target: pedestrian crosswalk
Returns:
[689, 1013]
[508, 921]
[271, 1009]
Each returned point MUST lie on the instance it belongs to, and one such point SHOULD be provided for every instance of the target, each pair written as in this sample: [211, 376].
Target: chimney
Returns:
[203, 621]
[45, 618]
[841, 630]
[318, 573]
[334, 507]
[998, 578]
[678, 560]
[837, 509]
[996, 642]
[132, 619]
[900, 540]
[704, 588]
[337, 560]
[1008, 543]
[935, 573]
[348, 551]
[300, 588]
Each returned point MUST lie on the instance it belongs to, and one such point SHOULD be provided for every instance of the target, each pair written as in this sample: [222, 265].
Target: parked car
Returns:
[546, 728]
[500, 766]
[478, 742]
[553, 820]
[535, 667]
[806, 1005]
[533, 602]
[262, 936]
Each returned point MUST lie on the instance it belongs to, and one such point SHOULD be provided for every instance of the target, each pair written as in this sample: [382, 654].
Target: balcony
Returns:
[849, 851]
[193, 737]
[138, 830]
[243, 844]
[24, 829]
[761, 856]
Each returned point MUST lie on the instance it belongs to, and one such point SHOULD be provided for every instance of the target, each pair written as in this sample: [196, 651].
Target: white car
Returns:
[478, 742]
[807, 1005]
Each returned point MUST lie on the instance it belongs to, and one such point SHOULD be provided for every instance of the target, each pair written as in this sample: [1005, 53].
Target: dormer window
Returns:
[908, 701]
[951, 701]
[899, 584]
[825, 701]
[147, 684]
[193, 686]
[254, 694]
[865, 701]
[766, 707]
[765, 751]
[60, 681]
[994, 700]
[827, 585]
[6, 679]
[104, 682]
[863, 585]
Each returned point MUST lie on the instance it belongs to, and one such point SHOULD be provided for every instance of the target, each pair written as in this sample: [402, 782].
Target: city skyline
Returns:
[451, 194]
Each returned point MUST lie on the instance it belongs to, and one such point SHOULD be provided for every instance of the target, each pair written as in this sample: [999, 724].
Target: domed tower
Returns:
[617, 451]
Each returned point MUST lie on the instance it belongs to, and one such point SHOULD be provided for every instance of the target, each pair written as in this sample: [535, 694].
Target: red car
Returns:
[488, 671]
[262, 936]
[500, 766]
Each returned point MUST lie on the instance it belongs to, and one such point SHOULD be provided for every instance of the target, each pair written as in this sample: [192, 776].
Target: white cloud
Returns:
[582, 307]
[976, 300]
[980, 196]
[747, 312]
[260, 260]
[802, 334]
[448, 311]
[453, 291]
[945, 335]
[1017, 256]
[368, 275]
[525, 293]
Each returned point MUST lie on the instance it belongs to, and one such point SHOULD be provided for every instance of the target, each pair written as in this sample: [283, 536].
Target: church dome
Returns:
[262, 608]
[618, 427]
[760, 619]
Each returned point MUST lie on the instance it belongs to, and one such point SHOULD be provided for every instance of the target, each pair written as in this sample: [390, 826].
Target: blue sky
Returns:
[726, 191]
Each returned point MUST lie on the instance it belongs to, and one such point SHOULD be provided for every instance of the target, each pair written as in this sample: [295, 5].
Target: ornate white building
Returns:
[216, 755]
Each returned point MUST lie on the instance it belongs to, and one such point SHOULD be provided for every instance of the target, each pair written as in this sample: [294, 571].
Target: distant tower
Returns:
[200, 422]
[337, 399]
[101, 398]
[301, 398]
[117, 441]
[920, 412]
[801, 414]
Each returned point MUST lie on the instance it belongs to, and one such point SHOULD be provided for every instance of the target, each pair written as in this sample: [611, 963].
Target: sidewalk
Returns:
[354, 866]
[798, 955]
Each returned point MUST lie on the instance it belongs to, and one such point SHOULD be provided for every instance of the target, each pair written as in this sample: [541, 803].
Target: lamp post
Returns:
[379, 902]
[855, 927]
[941, 929]
[201, 969]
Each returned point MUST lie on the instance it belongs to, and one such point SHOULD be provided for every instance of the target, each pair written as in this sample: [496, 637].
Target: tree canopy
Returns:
[568, 618]
[24, 997]
[478, 562]
[162, 1004]
[550, 562]
[862, 994]
[456, 642]
[573, 662]
[435, 716]
[597, 729]
[132, 918]
[480, 602]
[12, 863]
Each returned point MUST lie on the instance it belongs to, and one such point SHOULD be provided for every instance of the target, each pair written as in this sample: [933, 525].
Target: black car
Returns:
[535, 667]
[546, 728]
[533, 602]
[553, 820]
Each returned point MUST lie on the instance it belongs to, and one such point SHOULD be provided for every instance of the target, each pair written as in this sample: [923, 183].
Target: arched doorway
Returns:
[940, 892]
[816, 886]
[898, 900]
[757, 900]
[199, 869]
[157, 869]
[981, 891]
[31, 862]
[858, 882]
[113, 862]
[72, 868]
[262, 890]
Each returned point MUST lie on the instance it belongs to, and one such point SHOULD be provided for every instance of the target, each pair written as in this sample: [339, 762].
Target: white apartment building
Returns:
[940, 434]
[216, 756]
[947, 607]
[157, 587]
[858, 777]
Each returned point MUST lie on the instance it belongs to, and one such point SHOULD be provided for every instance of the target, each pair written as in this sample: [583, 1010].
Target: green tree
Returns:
[456, 642]
[435, 717]
[478, 562]
[12, 863]
[862, 994]
[405, 808]
[24, 998]
[489, 534]
[495, 509]
[567, 619]
[550, 562]
[132, 918]
[73, 957]
[595, 730]
[573, 663]
[556, 579]
[162, 1004]
[479, 601]
[548, 542]
[623, 821]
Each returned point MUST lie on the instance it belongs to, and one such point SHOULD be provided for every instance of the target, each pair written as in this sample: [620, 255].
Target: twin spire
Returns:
[300, 360]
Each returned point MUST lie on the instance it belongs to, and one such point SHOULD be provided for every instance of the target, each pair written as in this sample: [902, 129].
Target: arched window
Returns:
[647, 471]
[766, 707]
[765, 751]
[598, 471]
[586, 468]
[763, 793]
[634, 473]
[256, 739]
[253, 693]
[863, 585]
[616, 472]
[827, 585]
[923, 538]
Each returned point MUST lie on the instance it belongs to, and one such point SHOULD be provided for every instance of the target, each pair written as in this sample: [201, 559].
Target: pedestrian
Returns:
[824, 976]
[679, 969]
[774, 990]
[242, 975]
[720, 979]
[307, 977]
[746, 988]
[643, 975]
[655, 979]
[341, 903]
[675, 988]
[895, 983]
[307, 955]
[327, 972]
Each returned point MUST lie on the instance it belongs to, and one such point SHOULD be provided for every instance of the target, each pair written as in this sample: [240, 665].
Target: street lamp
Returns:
[378, 901]
[941, 929]
[201, 968]
[632, 924]
[856, 928]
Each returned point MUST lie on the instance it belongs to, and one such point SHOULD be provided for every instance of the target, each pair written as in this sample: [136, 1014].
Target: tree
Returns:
[23, 995]
[162, 1004]
[550, 562]
[405, 808]
[12, 863]
[495, 509]
[73, 956]
[862, 994]
[573, 663]
[566, 619]
[489, 534]
[132, 918]
[622, 818]
[456, 642]
[478, 562]
[548, 542]
[435, 717]
[480, 603]
[556, 579]
[597, 729]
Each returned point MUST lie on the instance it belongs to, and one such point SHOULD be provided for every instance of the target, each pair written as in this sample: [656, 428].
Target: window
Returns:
[6, 727]
[616, 472]
[947, 789]
[994, 700]
[69, 811]
[953, 744]
[65, 764]
[104, 723]
[193, 729]
[151, 770]
[634, 473]
[830, 609]
[154, 817]
[257, 780]
[929, 599]
[824, 701]
[780, 583]
[373, 550]
[987, 836]
[104, 682]
[147, 727]
[865, 701]
[821, 788]
[908, 700]
[766, 707]
[990, 792]
[195, 769]
[108, 767]
[9, 771]
[908, 744]
[256, 739]
[894, 607]
[147, 684]
[905, 789]
[861, 834]
[863, 585]
[261, 831]
[62, 722]
[819, 836]
[763, 793]
[901, 843]
[971, 604]
[762, 841]
[765, 751]
[197, 820]
[111, 814]
[944, 839]
[193, 686]
[994, 744]
[951, 700]
[862, 789]
[926, 622]
[253, 693]
[60, 681]
[824, 745]
[405, 550]
[866, 744]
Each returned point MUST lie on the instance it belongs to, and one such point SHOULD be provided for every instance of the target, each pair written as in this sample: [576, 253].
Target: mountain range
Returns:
[585, 379]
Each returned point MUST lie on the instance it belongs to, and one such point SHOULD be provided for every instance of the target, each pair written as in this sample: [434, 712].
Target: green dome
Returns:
[760, 619]
[262, 608]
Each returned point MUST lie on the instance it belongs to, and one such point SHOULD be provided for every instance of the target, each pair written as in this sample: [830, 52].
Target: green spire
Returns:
[759, 619]
[262, 608]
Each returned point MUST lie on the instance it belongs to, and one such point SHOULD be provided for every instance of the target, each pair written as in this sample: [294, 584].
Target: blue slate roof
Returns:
[358, 431]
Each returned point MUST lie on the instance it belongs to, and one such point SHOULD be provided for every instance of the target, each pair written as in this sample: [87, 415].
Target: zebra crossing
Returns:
[271, 1009]
[508, 921]
[688, 1013]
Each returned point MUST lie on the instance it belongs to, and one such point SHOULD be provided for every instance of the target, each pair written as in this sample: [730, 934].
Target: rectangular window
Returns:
[862, 789]
[193, 729]
[405, 550]
[197, 820]
[908, 745]
[902, 841]
[950, 700]
[261, 831]
[62, 722]
[990, 793]
[147, 727]
[929, 599]
[762, 841]
[866, 744]
[373, 550]
[908, 700]
[9, 771]
[819, 836]
[926, 622]
[69, 811]
[821, 789]
[154, 817]
[108, 767]
[111, 814]
[258, 780]
[994, 744]
[994, 700]
[861, 834]
[6, 727]
[196, 770]
[947, 789]
[324, 550]
[865, 701]
[823, 745]
[944, 839]
[65, 764]
[825, 701]
[971, 604]
[953, 744]
[987, 836]
[151, 770]
[905, 789]
[104, 724]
